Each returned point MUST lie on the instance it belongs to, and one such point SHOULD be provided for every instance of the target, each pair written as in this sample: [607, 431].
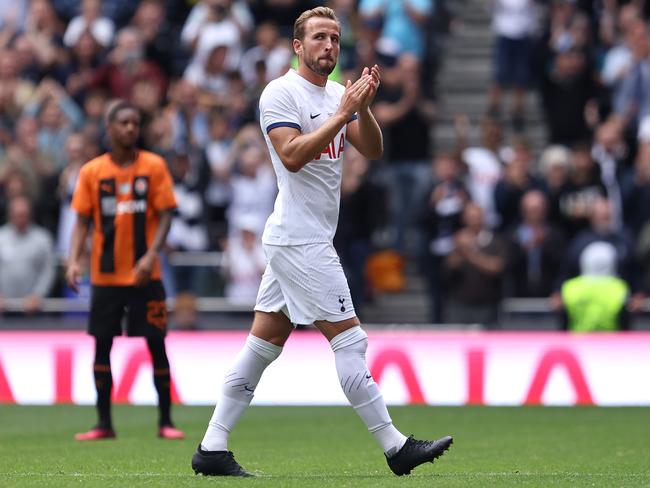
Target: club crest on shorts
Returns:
[342, 301]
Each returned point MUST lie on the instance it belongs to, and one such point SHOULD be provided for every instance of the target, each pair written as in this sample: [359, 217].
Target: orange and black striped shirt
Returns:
[124, 203]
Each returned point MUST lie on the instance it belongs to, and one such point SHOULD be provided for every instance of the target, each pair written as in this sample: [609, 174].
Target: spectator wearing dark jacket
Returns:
[441, 219]
[474, 272]
[516, 180]
[536, 249]
[601, 230]
[362, 213]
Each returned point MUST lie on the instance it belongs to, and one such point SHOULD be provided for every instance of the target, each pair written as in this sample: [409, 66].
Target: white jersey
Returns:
[306, 209]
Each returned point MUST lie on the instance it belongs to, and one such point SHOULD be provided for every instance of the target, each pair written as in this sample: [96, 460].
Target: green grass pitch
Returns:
[328, 446]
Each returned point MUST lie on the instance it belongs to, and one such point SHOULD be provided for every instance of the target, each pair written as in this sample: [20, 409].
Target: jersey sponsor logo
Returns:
[333, 150]
[131, 207]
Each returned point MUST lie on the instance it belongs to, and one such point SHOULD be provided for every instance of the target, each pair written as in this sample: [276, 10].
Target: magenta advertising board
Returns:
[411, 367]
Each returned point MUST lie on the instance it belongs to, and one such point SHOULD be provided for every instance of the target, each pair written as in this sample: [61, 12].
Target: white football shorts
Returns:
[305, 282]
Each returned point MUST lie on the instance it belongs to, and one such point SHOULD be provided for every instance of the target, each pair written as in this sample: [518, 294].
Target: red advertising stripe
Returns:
[63, 375]
[398, 359]
[6, 396]
[137, 360]
[559, 358]
[475, 376]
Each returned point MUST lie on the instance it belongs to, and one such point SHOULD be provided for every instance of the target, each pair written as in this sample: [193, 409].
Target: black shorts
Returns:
[144, 306]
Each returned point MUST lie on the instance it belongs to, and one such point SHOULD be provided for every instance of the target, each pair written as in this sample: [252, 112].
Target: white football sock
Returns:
[237, 391]
[363, 394]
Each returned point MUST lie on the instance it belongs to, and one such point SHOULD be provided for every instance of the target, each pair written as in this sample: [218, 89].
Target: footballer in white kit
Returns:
[306, 120]
[304, 277]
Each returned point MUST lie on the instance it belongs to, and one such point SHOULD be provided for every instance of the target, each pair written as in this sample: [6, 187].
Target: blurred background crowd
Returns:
[478, 220]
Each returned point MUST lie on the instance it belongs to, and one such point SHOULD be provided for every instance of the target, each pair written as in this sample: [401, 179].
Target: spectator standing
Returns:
[188, 232]
[474, 272]
[189, 120]
[601, 229]
[153, 20]
[27, 259]
[76, 155]
[363, 211]
[631, 99]
[484, 164]
[44, 33]
[91, 20]
[567, 88]
[218, 194]
[209, 72]
[211, 20]
[516, 180]
[619, 59]
[406, 120]
[441, 219]
[403, 22]
[15, 93]
[127, 65]
[554, 165]
[253, 189]
[536, 250]
[77, 73]
[58, 116]
[244, 261]
[583, 188]
[514, 23]
[636, 192]
[270, 50]
[25, 157]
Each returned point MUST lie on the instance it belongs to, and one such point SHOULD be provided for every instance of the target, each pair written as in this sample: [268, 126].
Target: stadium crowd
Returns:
[497, 219]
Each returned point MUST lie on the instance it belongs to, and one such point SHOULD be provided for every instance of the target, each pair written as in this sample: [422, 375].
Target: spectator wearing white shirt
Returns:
[213, 20]
[253, 189]
[27, 259]
[270, 50]
[244, 261]
[101, 28]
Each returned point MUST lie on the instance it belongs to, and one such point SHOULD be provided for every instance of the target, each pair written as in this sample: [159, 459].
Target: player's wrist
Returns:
[342, 116]
[151, 253]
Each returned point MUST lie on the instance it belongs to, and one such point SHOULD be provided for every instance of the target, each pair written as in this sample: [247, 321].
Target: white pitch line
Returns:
[433, 475]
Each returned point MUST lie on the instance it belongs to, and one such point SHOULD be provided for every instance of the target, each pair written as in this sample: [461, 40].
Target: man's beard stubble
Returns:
[318, 69]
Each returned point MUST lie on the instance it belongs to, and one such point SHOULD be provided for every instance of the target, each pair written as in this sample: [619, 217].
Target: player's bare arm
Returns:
[364, 132]
[296, 149]
[144, 266]
[79, 234]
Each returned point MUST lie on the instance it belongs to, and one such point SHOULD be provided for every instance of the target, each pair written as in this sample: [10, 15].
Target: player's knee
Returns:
[266, 351]
[353, 340]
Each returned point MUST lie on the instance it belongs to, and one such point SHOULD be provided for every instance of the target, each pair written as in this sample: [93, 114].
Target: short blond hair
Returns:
[299, 25]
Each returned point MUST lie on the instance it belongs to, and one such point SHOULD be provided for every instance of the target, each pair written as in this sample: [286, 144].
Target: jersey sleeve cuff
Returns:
[275, 125]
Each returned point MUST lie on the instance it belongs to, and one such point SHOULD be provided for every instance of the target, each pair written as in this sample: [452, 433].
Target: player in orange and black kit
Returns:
[128, 195]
